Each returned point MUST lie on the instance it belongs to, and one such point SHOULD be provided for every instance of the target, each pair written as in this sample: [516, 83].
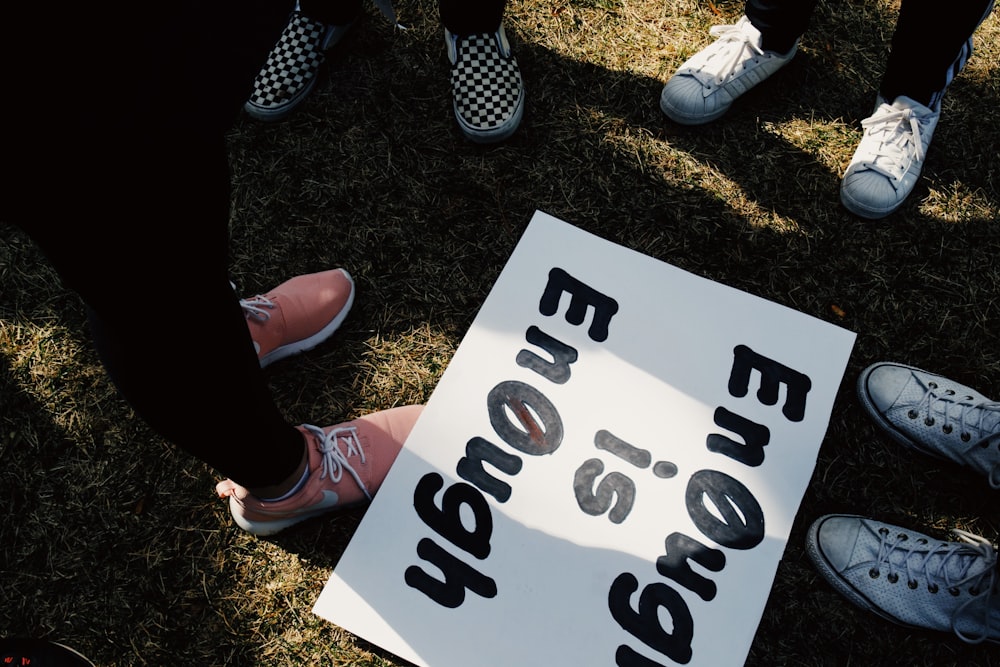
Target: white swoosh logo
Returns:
[329, 501]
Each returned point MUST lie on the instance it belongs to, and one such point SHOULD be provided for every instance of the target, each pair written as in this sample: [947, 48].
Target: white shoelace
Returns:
[721, 61]
[257, 307]
[334, 459]
[889, 133]
[951, 570]
[978, 423]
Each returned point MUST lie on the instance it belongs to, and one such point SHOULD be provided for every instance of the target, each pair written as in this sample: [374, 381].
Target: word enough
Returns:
[737, 522]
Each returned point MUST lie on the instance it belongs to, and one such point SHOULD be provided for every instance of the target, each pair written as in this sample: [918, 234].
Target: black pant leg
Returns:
[780, 22]
[930, 46]
[469, 17]
[122, 180]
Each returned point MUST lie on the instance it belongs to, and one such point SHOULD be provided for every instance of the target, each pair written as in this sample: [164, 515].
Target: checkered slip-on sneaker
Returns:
[487, 90]
[289, 74]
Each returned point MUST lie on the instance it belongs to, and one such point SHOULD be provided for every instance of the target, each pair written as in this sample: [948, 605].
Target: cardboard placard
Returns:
[606, 473]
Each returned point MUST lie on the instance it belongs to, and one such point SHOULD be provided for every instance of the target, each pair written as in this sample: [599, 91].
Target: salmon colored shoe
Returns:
[298, 314]
[347, 465]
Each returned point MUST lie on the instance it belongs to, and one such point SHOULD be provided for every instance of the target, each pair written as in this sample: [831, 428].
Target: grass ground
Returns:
[113, 542]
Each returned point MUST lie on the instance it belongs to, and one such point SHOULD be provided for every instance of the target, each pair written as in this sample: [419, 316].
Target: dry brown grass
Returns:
[111, 541]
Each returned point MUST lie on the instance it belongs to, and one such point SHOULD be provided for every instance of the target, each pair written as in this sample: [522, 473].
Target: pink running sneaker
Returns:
[298, 314]
[347, 463]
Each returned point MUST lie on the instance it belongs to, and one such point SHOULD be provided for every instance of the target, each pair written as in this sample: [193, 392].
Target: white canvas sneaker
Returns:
[910, 578]
[934, 415]
[887, 162]
[708, 83]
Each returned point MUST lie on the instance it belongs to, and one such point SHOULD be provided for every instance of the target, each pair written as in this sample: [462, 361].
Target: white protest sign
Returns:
[606, 473]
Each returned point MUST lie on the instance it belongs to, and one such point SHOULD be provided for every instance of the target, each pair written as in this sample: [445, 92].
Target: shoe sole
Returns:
[860, 210]
[273, 527]
[687, 119]
[274, 114]
[496, 135]
[290, 349]
[690, 120]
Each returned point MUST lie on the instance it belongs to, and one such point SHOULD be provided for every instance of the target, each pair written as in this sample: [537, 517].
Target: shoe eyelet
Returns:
[949, 392]
[912, 414]
[929, 421]
[912, 583]
[955, 592]
[932, 588]
[873, 573]
[883, 531]
[892, 578]
[974, 591]
[965, 437]
[903, 537]
[947, 429]
[921, 541]
[932, 385]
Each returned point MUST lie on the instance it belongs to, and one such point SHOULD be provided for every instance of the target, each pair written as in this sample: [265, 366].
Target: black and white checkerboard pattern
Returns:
[486, 85]
[292, 64]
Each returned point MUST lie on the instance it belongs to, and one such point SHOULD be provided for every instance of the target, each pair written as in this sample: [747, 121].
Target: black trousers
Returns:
[461, 17]
[930, 44]
[121, 178]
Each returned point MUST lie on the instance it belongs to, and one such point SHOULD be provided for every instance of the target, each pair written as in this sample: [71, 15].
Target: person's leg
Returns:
[131, 208]
[152, 270]
[180, 351]
[780, 22]
[930, 46]
[129, 200]
[487, 89]
[331, 12]
[468, 17]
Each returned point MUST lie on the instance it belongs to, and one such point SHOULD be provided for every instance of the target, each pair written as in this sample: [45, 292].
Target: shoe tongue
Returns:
[981, 418]
[915, 392]
[903, 102]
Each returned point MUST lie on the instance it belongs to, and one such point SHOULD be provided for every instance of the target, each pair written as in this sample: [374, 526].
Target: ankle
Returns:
[777, 44]
[285, 487]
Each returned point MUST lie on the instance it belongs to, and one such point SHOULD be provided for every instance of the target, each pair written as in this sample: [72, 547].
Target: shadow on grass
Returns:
[372, 174]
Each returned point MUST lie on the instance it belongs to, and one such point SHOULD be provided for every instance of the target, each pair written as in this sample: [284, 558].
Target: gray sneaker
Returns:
[934, 415]
[910, 578]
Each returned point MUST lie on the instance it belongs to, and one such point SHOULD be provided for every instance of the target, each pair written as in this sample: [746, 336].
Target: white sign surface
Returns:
[606, 473]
